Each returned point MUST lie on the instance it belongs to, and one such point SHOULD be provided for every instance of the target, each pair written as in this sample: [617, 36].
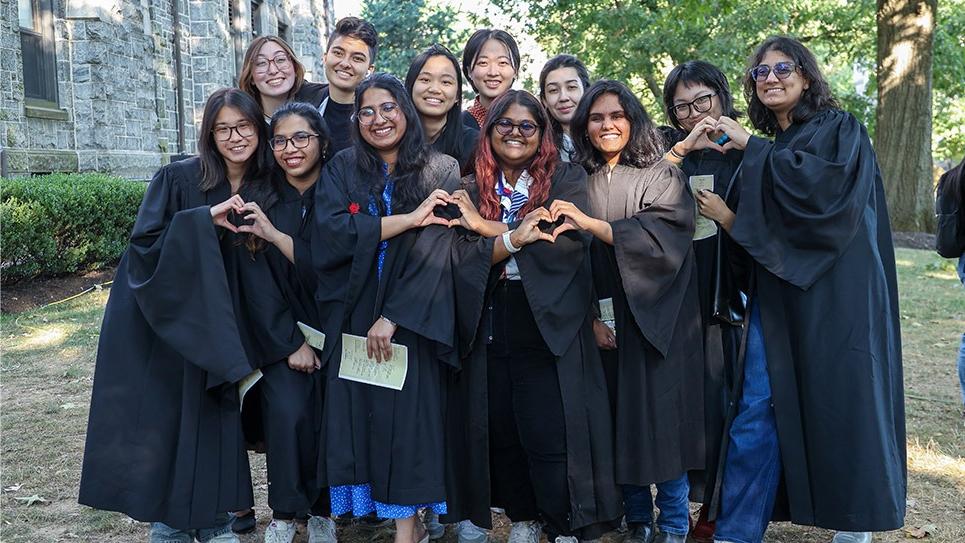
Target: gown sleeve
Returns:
[177, 276]
[652, 249]
[421, 299]
[801, 205]
[556, 276]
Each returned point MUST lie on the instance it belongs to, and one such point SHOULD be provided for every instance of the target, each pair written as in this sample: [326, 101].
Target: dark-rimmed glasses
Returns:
[281, 62]
[366, 115]
[701, 104]
[299, 141]
[782, 70]
[223, 133]
[506, 126]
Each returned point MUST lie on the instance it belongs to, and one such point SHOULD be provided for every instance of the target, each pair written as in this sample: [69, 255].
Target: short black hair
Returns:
[476, 42]
[703, 73]
[645, 146]
[815, 99]
[360, 29]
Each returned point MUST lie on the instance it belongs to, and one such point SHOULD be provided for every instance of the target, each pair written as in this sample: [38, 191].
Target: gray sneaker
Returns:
[433, 526]
[852, 537]
[321, 530]
[279, 531]
[640, 533]
[527, 531]
[227, 537]
[664, 537]
[470, 533]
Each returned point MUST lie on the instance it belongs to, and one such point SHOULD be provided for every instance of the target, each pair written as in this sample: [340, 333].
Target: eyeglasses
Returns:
[701, 104]
[223, 133]
[299, 141]
[281, 62]
[366, 115]
[505, 127]
[782, 70]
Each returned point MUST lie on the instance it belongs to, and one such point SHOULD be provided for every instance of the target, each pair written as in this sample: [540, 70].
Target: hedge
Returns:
[64, 223]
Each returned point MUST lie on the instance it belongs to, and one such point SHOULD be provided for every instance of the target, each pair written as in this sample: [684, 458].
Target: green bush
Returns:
[64, 223]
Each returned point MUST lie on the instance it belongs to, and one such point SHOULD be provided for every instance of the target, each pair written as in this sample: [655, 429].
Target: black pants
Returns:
[527, 432]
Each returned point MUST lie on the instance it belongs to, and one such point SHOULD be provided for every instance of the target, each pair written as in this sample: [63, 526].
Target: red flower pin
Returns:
[353, 208]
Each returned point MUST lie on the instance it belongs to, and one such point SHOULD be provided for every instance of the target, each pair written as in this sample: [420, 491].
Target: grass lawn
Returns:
[48, 363]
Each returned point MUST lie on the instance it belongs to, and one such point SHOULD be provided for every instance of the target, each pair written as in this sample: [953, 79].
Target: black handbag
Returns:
[729, 304]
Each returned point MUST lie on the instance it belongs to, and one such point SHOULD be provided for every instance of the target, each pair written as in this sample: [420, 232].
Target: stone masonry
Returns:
[118, 91]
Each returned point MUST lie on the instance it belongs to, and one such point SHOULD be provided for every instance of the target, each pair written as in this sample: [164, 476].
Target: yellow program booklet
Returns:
[357, 366]
[312, 336]
[245, 385]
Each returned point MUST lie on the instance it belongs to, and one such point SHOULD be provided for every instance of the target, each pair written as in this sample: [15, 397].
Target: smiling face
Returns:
[435, 90]
[513, 150]
[780, 95]
[237, 149]
[493, 72]
[608, 127]
[299, 164]
[347, 62]
[686, 93]
[561, 94]
[275, 81]
[383, 134]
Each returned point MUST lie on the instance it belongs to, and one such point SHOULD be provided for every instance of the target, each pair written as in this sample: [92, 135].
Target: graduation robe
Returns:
[557, 281]
[721, 340]
[391, 440]
[813, 218]
[649, 273]
[276, 296]
[164, 436]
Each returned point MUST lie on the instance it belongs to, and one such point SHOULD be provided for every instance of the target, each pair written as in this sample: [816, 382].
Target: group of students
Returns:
[590, 305]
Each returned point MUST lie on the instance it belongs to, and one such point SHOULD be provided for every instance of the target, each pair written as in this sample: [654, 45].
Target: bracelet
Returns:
[383, 317]
[508, 243]
[675, 153]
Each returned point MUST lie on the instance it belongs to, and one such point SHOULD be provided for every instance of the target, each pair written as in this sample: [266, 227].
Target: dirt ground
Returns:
[47, 366]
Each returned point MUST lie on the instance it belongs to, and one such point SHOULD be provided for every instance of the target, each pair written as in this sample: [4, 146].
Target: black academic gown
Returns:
[557, 281]
[468, 138]
[164, 436]
[813, 218]
[391, 440]
[721, 340]
[650, 274]
[276, 296]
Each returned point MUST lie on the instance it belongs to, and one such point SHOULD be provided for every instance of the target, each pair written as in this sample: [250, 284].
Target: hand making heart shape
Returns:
[567, 216]
[221, 213]
[424, 214]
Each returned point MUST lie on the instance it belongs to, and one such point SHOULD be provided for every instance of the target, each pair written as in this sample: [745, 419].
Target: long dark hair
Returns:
[555, 63]
[702, 73]
[644, 147]
[450, 140]
[314, 119]
[256, 185]
[541, 168]
[475, 43]
[413, 152]
[815, 99]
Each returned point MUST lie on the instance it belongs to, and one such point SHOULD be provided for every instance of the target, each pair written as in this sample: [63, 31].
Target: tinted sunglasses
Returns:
[782, 70]
[505, 127]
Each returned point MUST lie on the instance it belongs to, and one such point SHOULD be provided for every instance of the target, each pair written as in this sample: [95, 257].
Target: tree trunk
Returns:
[903, 135]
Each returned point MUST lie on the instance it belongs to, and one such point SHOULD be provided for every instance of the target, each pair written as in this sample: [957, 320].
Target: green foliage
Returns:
[639, 42]
[407, 28]
[63, 223]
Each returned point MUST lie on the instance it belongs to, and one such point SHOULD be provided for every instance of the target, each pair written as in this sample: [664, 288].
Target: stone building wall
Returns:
[118, 87]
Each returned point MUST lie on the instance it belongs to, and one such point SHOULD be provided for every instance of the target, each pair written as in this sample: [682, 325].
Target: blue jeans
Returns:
[961, 348]
[674, 517]
[162, 533]
[752, 469]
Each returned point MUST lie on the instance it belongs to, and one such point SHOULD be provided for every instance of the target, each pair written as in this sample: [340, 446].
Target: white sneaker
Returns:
[470, 533]
[852, 537]
[228, 537]
[527, 531]
[280, 531]
[566, 539]
[321, 530]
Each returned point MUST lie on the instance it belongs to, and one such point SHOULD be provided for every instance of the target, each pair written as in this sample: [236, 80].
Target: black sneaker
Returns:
[244, 523]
